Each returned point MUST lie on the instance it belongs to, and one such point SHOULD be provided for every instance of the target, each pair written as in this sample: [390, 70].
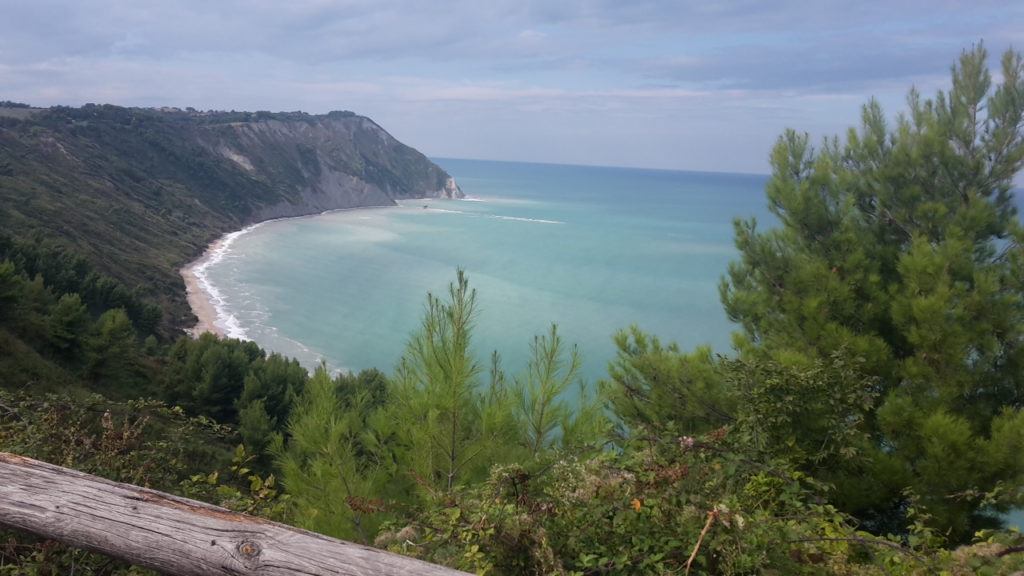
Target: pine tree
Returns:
[901, 248]
[113, 352]
[657, 389]
[270, 388]
[453, 426]
[67, 326]
[333, 481]
[208, 376]
[541, 404]
[548, 416]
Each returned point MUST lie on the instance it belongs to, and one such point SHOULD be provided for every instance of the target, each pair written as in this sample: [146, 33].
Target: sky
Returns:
[672, 84]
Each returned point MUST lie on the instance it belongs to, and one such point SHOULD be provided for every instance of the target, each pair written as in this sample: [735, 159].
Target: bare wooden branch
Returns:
[176, 535]
[1010, 550]
[712, 515]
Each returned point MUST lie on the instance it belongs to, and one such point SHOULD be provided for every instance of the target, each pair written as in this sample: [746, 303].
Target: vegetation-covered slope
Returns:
[139, 192]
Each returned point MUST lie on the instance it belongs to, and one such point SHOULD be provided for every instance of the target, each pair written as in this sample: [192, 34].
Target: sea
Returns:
[593, 250]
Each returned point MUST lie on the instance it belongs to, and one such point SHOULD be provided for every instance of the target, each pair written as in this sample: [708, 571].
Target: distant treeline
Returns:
[192, 115]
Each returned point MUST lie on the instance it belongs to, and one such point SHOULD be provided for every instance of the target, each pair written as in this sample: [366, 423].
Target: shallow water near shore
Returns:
[592, 249]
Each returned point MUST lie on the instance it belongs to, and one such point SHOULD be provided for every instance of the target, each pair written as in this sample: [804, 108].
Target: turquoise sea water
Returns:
[592, 249]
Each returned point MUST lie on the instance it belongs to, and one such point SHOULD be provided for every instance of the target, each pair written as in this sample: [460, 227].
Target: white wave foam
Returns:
[445, 211]
[496, 216]
[271, 339]
[517, 218]
[225, 320]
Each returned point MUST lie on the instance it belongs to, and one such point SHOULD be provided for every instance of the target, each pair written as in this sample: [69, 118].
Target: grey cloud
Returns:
[842, 52]
[325, 31]
[428, 64]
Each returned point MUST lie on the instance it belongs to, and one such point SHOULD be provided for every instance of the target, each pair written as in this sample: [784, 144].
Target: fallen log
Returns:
[176, 535]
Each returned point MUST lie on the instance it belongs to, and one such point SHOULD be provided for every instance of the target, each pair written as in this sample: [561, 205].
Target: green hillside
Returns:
[139, 192]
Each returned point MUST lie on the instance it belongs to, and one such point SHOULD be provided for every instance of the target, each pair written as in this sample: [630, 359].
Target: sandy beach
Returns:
[198, 298]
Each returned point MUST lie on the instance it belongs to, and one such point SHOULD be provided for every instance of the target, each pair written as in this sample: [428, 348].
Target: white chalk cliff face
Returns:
[327, 162]
[451, 190]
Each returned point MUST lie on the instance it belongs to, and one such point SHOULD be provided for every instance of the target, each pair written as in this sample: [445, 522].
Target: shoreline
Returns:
[199, 297]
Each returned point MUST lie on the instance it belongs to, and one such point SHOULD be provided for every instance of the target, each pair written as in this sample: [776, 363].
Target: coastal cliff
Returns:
[140, 192]
[338, 160]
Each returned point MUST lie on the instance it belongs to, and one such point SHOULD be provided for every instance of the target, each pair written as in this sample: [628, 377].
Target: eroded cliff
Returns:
[142, 191]
[338, 160]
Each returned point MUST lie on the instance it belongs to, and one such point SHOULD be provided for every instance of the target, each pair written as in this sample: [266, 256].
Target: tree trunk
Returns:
[175, 535]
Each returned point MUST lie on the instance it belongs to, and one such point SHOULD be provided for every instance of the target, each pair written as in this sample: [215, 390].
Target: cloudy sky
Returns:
[680, 84]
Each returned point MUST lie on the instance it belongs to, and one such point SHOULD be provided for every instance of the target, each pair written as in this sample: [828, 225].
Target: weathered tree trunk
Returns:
[175, 535]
